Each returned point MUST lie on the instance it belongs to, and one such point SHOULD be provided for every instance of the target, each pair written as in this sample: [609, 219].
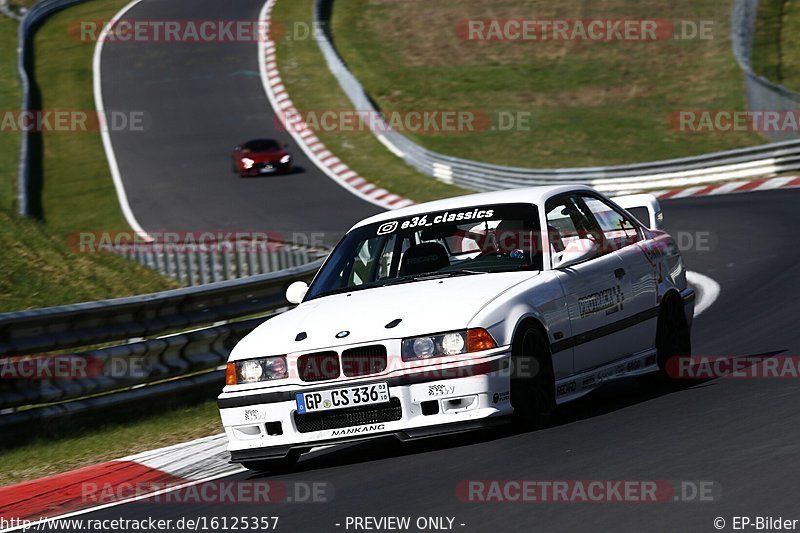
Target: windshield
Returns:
[466, 241]
[264, 145]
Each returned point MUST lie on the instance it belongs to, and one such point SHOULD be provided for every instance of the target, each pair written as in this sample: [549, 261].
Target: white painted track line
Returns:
[97, 84]
[708, 291]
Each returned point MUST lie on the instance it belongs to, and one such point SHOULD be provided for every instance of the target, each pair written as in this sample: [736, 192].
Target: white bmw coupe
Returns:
[457, 314]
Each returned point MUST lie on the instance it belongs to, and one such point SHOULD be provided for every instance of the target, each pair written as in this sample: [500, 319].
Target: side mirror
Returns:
[576, 252]
[296, 292]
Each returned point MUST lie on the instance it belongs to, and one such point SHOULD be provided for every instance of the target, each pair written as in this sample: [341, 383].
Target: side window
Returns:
[618, 229]
[565, 223]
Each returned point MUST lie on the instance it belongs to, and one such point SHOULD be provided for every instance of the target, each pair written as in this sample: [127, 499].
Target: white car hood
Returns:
[429, 306]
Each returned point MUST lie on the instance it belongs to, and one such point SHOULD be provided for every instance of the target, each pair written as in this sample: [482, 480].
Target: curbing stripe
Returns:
[726, 188]
[763, 184]
[302, 134]
[114, 482]
[79, 489]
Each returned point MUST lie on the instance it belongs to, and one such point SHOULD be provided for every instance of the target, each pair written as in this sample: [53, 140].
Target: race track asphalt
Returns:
[200, 100]
[743, 435]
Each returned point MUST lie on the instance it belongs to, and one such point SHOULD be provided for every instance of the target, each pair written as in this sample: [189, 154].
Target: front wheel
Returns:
[533, 391]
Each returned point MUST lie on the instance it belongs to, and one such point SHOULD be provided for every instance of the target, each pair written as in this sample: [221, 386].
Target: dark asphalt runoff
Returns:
[742, 435]
[201, 100]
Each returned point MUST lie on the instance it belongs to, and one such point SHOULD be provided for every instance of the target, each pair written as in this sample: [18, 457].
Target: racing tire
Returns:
[533, 384]
[274, 465]
[673, 334]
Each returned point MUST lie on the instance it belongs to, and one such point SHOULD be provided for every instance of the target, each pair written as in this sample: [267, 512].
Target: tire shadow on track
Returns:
[628, 392]
[611, 397]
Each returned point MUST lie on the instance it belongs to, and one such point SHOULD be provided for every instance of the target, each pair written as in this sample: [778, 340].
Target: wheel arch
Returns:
[670, 293]
[528, 322]
[505, 323]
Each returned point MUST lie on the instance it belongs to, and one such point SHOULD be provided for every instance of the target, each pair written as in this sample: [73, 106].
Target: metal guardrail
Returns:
[195, 340]
[759, 161]
[219, 261]
[190, 267]
[182, 359]
[7, 11]
[762, 94]
[26, 189]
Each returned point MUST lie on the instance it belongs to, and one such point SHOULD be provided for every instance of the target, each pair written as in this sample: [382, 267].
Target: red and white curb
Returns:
[305, 137]
[132, 478]
[765, 184]
[165, 470]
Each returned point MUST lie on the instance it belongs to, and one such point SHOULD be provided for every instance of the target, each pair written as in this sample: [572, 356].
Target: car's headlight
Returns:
[447, 344]
[285, 159]
[255, 370]
[247, 162]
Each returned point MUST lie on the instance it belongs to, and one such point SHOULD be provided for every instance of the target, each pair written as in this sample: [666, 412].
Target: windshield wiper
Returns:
[340, 290]
[404, 279]
[431, 275]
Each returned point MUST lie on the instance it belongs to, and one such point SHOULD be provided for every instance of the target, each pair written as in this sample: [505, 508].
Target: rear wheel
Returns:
[272, 465]
[533, 390]
[673, 335]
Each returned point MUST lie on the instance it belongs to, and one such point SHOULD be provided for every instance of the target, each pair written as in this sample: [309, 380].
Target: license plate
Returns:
[325, 400]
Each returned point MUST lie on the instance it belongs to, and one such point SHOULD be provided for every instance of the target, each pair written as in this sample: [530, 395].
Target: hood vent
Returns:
[393, 323]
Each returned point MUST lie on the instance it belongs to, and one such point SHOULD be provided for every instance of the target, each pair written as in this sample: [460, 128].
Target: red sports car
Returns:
[261, 156]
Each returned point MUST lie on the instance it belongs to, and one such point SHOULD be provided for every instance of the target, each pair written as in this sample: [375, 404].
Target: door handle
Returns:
[619, 273]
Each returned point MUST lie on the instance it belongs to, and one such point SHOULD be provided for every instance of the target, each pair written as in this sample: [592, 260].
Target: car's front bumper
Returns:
[264, 424]
[262, 169]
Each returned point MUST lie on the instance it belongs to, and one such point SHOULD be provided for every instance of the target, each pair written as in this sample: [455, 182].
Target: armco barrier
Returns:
[762, 94]
[7, 11]
[187, 267]
[759, 161]
[196, 336]
[219, 261]
[26, 189]
[58, 328]
[762, 161]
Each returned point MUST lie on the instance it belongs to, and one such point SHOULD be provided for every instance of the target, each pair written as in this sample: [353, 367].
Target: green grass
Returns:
[776, 43]
[596, 110]
[10, 96]
[312, 87]
[590, 103]
[113, 441]
[39, 267]
[76, 173]
[22, 3]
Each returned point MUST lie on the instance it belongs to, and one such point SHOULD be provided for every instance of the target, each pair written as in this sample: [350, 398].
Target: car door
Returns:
[625, 237]
[595, 290]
